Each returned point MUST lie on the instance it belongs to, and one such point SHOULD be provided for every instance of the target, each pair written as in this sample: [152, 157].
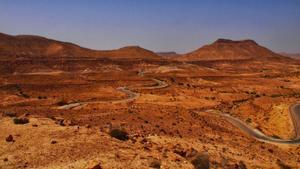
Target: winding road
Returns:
[295, 116]
[131, 96]
[243, 126]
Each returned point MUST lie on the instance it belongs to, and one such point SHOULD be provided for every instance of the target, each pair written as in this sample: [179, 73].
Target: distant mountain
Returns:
[131, 52]
[28, 45]
[291, 55]
[167, 54]
[224, 49]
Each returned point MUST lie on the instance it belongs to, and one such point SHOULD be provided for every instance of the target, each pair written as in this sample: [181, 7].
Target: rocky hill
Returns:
[224, 49]
[32, 46]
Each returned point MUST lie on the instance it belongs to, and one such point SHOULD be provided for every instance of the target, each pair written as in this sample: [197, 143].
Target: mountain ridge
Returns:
[32, 45]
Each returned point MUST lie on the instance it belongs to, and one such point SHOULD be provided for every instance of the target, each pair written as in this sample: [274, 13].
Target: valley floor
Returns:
[168, 122]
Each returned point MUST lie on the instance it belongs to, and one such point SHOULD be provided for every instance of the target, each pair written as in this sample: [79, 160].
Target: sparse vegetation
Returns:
[201, 161]
[275, 136]
[248, 120]
[155, 164]
[9, 138]
[21, 120]
[282, 165]
[99, 105]
[42, 97]
[62, 102]
[276, 95]
[119, 134]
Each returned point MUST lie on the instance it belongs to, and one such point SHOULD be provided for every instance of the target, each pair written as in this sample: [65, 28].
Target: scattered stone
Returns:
[185, 153]
[9, 138]
[10, 114]
[98, 166]
[155, 164]
[53, 142]
[201, 161]
[34, 125]
[180, 152]
[63, 122]
[119, 134]
[5, 159]
[23, 120]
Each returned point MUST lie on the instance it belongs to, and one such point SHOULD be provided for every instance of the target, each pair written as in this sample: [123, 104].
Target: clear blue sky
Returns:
[159, 25]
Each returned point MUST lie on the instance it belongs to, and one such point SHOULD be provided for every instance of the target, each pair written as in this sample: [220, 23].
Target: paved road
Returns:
[295, 115]
[159, 85]
[294, 111]
[131, 96]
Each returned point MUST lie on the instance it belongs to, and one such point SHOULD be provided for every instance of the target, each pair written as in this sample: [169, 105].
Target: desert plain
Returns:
[64, 106]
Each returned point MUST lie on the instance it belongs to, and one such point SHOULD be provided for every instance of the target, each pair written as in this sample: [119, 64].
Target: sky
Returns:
[158, 25]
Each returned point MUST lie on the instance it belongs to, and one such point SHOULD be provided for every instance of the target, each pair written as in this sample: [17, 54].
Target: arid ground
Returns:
[167, 110]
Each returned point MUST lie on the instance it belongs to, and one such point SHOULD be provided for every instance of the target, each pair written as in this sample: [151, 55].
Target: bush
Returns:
[21, 120]
[61, 103]
[275, 136]
[201, 161]
[242, 165]
[42, 97]
[248, 120]
[25, 95]
[119, 134]
[282, 165]
[155, 164]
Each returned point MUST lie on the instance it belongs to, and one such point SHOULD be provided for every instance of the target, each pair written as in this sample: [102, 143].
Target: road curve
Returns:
[295, 115]
[131, 96]
[294, 112]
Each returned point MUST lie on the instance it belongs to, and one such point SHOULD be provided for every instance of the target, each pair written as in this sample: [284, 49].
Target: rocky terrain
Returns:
[63, 106]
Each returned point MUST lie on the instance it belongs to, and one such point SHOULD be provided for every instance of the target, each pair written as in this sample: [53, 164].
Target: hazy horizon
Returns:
[157, 25]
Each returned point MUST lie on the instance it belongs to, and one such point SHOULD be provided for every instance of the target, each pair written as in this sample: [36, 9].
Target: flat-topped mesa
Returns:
[133, 47]
[229, 41]
[226, 49]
